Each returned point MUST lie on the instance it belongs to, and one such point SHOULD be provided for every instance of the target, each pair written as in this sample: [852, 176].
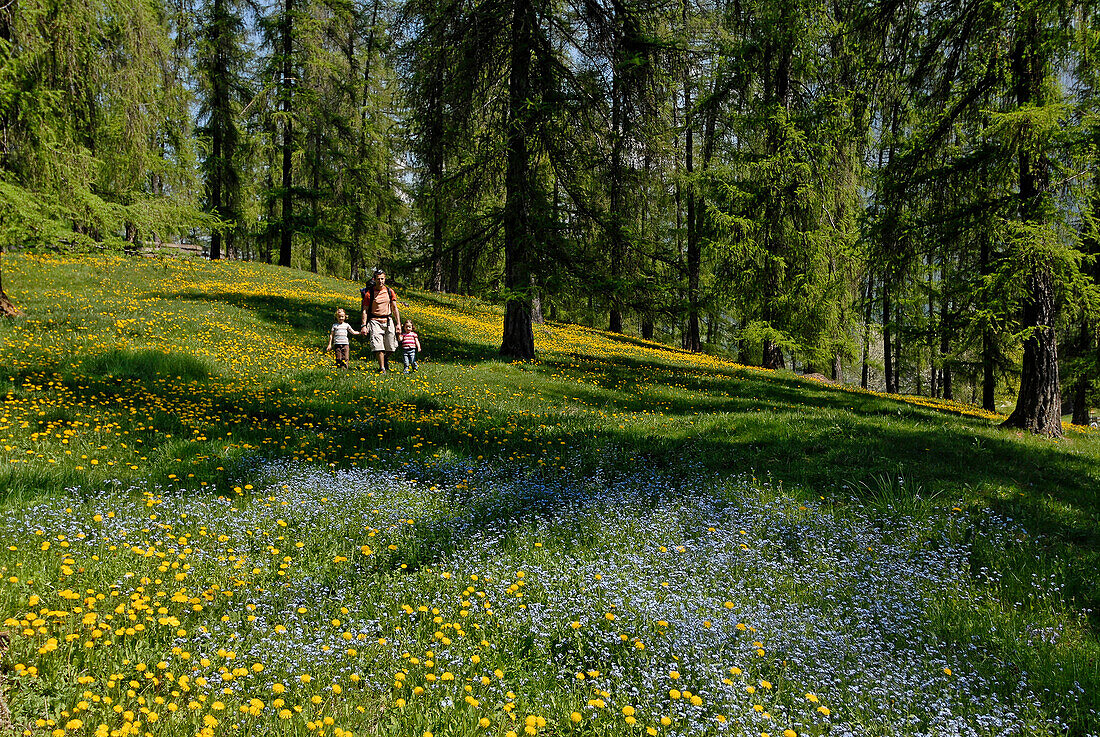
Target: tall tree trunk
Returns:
[519, 340]
[469, 271]
[1081, 384]
[888, 339]
[648, 307]
[222, 182]
[269, 234]
[777, 86]
[897, 346]
[454, 270]
[945, 349]
[435, 173]
[436, 284]
[216, 179]
[694, 254]
[615, 190]
[1080, 402]
[7, 15]
[1088, 348]
[772, 356]
[865, 374]
[286, 225]
[315, 198]
[1039, 404]
[933, 384]
[989, 376]
[536, 303]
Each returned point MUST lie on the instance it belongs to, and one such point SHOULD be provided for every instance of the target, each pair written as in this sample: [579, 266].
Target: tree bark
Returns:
[1088, 348]
[435, 171]
[772, 357]
[536, 303]
[989, 376]
[647, 310]
[933, 384]
[221, 107]
[888, 340]
[865, 374]
[694, 254]
[945, 349]
[7, 307]
[222, 177]
[1039, 404]
[519, 340]
[286, 223]
[1081, 385]
[315, 185]
[615, 185]
[216, 155]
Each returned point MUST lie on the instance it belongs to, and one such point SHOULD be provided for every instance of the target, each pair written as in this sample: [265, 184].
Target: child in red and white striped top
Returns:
[410, 344]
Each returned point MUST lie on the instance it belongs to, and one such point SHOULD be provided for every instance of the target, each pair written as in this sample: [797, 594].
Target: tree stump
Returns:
[8, 308]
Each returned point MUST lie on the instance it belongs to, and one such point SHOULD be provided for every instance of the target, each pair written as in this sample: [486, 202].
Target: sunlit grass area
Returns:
[209, 528]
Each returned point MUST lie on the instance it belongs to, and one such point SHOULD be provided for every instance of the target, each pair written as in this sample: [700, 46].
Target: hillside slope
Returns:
[158, 375]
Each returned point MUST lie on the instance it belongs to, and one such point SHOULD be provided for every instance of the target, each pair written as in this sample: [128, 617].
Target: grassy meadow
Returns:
[208, 529]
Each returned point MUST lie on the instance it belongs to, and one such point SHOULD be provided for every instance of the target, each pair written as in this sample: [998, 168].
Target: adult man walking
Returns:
[381, 318]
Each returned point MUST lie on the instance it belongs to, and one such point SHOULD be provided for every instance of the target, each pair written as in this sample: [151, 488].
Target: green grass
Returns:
[161, 375]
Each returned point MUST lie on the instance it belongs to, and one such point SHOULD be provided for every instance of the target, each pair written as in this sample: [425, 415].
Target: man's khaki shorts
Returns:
[382, 336]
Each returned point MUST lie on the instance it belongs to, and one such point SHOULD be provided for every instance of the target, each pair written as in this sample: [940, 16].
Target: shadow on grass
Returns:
[975, 471]
[630, 386]
[822, 438]
[970, 462]
[145, 365]
[458, 303]
[315, 317]
[816, 440]
[441, 349]
[312, 316]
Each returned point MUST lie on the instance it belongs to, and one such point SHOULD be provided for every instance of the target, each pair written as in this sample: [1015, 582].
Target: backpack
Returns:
[367, 294]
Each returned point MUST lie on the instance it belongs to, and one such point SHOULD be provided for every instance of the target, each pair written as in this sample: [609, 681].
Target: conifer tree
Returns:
[433, 91]
[220, 67]
[1037, 255]
[93, 115]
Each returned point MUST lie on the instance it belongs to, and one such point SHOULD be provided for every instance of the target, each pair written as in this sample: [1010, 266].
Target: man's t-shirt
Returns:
[381, 306]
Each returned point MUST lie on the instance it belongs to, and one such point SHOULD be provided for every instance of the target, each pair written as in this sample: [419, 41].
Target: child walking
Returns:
[410, 344]
[338, 339]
